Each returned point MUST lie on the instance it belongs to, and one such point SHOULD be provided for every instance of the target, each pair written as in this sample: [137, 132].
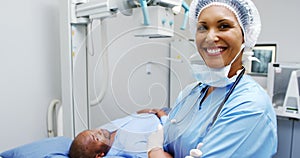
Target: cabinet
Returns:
[288, 138]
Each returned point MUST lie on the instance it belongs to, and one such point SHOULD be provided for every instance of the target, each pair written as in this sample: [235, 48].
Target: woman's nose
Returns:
[212, 36]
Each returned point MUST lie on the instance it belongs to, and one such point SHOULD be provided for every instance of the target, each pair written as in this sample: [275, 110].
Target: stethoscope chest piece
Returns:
[173, 121]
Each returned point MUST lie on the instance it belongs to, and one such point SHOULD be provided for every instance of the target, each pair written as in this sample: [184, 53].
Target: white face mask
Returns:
[215, 77]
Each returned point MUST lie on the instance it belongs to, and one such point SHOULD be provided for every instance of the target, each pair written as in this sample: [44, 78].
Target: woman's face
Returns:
[219, 36]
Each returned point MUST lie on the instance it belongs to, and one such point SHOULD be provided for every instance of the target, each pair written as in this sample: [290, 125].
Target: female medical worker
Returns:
[226, 111]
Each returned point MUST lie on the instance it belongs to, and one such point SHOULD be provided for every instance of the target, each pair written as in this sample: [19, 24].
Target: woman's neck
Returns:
[237, 65]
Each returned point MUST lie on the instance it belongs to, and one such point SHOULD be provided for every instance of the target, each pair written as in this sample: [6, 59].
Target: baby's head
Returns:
[90, 144]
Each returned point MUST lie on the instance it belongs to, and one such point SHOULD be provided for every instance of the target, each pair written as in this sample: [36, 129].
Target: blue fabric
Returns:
[130, 140]
[132, 135]
[56, 147]
[246, 126]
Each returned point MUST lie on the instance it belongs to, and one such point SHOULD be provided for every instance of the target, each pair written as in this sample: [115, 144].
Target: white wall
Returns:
[280, 25]
[130, 88]
[29, 68]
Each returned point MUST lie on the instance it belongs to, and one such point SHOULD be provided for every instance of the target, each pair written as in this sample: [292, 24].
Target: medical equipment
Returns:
[227, 95]
[160, 23]
[195, 153]
[284, 87]
[152, 18]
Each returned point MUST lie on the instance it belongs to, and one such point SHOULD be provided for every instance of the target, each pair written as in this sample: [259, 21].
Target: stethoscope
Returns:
[226, 97]
[175, 121]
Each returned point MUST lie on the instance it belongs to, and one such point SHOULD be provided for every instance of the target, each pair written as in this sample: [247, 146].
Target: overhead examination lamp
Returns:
[156, 17]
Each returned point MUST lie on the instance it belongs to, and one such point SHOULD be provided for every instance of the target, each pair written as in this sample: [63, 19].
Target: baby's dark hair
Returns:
[80, 150]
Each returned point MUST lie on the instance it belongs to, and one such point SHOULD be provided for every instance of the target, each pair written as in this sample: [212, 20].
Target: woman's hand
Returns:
[155, 143]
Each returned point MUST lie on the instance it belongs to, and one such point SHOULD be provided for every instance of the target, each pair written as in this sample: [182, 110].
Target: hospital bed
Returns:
[54, 147]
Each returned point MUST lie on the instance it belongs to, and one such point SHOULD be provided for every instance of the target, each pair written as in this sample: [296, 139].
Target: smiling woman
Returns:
[219, 38]
[228, 110]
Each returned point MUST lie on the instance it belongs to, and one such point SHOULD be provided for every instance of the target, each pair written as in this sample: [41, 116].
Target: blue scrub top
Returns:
[245, 127]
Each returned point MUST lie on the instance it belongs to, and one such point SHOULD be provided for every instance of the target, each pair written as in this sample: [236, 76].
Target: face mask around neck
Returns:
[215, 77]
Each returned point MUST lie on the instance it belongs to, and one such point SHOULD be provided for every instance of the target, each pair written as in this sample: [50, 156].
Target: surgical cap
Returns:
[244, 10]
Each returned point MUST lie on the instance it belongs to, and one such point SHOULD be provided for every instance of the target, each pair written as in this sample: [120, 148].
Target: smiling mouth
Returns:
[214, 51]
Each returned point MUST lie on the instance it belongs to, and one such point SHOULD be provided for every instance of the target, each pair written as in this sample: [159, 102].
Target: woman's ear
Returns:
[99, 155]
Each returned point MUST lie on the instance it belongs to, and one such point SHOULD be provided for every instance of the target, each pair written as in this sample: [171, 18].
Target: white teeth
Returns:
[214, 51]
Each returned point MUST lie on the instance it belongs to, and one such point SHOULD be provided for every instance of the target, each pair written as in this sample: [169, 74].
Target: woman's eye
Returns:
[224, 26]
[201, 28]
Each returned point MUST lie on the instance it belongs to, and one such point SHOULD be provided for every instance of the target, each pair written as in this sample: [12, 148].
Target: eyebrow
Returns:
[219, 21]
[222, 20]
[226, 20]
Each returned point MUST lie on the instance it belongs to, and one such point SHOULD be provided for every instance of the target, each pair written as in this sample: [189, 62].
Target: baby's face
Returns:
[100, 135]
[96, 140]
